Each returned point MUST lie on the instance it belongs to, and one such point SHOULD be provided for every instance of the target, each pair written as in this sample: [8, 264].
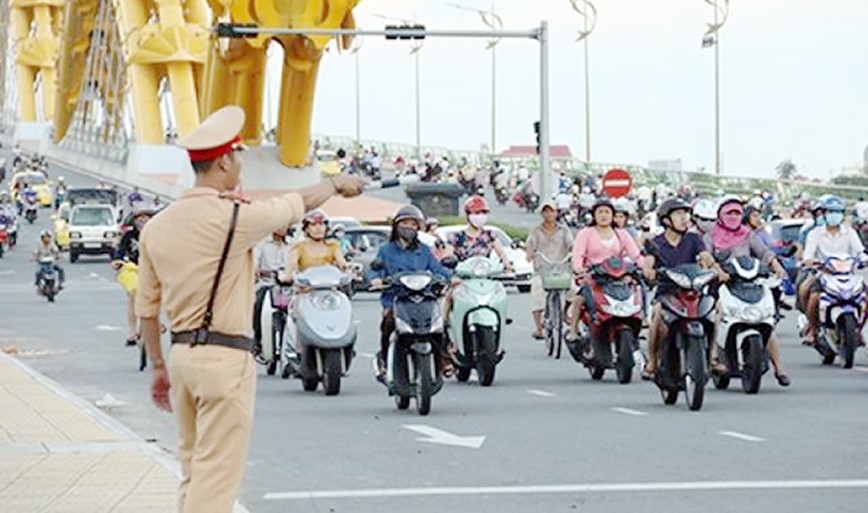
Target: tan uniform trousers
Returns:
[213, 394]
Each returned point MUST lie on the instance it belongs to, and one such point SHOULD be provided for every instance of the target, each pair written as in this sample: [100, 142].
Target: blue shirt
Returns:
[685, 252]
[399, 260]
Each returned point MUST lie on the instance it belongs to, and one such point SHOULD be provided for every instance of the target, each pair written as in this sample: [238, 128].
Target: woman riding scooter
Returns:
[475, 240]
[314, 249]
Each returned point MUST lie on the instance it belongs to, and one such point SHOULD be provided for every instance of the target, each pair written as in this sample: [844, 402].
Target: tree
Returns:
[786, 170]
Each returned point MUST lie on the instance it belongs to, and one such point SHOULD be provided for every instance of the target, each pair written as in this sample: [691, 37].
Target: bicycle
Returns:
[556, 280]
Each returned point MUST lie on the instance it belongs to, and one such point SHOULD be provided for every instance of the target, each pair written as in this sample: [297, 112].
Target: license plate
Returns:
[92, 245]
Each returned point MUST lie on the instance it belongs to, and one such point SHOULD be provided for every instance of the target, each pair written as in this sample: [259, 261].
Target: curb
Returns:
[107, 421]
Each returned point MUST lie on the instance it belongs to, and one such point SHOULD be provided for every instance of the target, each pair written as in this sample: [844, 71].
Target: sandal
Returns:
[132, 340]
[718, 367]
[648, 375]
[538, 335]
[783, 380]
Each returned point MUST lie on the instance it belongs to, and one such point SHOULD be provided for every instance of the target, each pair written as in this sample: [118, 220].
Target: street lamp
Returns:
[588, 12]
[712, 38]
[414, 51]
[494, 22]
[355, 53]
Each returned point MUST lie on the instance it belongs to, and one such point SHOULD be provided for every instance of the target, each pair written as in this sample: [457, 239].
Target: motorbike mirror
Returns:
[517, 244]
[377, 265]
[789, 250]
[449, 262]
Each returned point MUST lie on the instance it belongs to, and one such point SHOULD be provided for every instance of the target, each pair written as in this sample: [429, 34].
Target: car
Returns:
[328, 162]
[92, 195]
[37, 182]
[93, 230]
[523, 268]
[366, 242]
[60, 222]
[346, 222]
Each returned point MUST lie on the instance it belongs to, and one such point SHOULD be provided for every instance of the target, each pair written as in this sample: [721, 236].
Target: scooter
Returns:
[689, 313]
[273, 322]
[842, 309]
[320, 327]
[4, 236]
[749, 318]
[615, 320]
[48, 283]
[501, 195]
[477, 319]
[412, 363]
[30, 209]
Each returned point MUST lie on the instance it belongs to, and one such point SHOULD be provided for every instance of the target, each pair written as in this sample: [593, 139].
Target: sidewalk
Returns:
[59, 454]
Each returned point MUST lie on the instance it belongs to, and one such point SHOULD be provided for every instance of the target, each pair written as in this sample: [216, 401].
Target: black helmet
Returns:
[669, 206]
[409, 212]
[603, 202]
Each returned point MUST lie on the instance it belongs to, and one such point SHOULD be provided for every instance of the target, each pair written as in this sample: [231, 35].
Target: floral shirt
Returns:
[466, 247]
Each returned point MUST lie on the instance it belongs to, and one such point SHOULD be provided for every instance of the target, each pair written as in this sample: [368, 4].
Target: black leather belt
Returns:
[197, 337]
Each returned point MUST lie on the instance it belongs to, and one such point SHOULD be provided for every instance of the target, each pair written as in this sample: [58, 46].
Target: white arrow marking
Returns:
[541, 393]
[105, 327]
[628, 411]
[742, 436]
[438, 436]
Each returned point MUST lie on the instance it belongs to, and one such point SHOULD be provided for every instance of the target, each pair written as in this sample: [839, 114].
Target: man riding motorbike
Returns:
[127, 250]
[704, 215]
[45, 250]
[553, 241]
[731, 238]
[269, 257]
[403, 253]
[676, 246]
[834, 239]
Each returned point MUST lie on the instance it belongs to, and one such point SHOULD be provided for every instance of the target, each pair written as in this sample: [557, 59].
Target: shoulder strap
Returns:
[209, 311]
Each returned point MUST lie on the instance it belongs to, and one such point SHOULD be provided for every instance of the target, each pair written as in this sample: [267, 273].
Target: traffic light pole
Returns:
[541, 34]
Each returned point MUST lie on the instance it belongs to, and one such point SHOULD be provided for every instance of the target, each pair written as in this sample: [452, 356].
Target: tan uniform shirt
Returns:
[180, 250]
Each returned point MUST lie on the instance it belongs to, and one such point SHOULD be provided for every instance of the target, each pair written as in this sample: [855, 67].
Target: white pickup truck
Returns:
[93, 230]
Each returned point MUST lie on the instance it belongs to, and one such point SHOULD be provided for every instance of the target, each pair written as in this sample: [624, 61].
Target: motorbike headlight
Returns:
[437, 322]
[110, 235]
[748, 314]
[703, 280]
[401, 326]
[482, 268]
[325, 301]
[415, 282]
[75, 235]
[680, 279]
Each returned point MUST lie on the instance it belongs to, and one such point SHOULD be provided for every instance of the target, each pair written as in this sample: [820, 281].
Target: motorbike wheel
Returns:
[1, 250]
[49, 294]
[143, 357]
[462, 374]
[695, 375]
[553, 325]
[670, 395]
[271, 368]
[73, 256]
[486, 356]
[848, 333]
[309, 377]
[753, 356]
[424, 382]
[597, 372]
[309, 383]
[624, 365]
[402, 402]
[332, 370]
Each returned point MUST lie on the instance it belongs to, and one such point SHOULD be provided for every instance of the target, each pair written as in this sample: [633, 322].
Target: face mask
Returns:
[731, 222]
[820, 221]
[834, 218]
[408, 235]
[477, 220]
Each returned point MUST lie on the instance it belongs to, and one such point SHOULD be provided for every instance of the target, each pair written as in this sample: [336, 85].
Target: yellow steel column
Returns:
[180, 73]
[24, 74]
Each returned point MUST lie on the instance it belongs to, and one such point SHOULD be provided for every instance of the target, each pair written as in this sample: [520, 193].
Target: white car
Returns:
[93, 230]
[517, 257]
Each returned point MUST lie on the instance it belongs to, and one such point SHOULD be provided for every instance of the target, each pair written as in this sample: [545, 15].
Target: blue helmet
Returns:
[833, 204]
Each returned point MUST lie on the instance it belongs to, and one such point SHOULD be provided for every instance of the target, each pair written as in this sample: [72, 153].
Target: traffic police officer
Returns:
[196, 264]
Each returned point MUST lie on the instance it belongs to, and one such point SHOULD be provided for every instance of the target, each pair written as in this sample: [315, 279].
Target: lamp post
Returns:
[494, 22]
[588, 12]
[355, 53]
[712, 38]
[414, 51]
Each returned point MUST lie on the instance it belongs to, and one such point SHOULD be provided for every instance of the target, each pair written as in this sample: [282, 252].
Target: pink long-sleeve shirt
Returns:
[589, 249]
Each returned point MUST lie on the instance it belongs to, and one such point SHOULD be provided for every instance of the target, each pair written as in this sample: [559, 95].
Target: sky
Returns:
[793, 81]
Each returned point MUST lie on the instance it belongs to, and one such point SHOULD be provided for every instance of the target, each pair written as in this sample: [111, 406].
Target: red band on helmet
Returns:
[213, 153]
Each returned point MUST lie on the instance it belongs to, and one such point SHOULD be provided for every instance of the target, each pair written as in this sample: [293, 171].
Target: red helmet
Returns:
[476, 205]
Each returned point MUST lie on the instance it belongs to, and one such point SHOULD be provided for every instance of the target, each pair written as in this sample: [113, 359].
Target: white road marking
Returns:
[105, 327]
[370, 356]
[438, 436]
[7, 272]
[860, 368]
[541, 393]
[742, 436]
[628, 411]
[570, 488]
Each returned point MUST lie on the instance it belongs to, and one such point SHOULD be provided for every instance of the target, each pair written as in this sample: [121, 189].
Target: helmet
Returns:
[314, 216]
[59, 178]
[728, 200]
[602, 202]
[432, 221]
[408, 212]
[817, 206]
[705, 209]
[833, 204]
[748, 210]
[476, 205]
[756, 202]
[142, 208]
[621, 206]
[671, 205]
[45, 233]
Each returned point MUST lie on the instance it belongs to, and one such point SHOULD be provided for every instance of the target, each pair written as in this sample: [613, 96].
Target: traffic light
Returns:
[392, 37]
[536, 126]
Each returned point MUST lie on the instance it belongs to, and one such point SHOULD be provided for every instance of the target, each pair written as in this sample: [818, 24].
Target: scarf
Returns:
[726, 239]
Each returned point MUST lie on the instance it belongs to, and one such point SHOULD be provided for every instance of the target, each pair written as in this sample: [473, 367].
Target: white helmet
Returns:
[756, 202]
[622, 205]
[705, 209]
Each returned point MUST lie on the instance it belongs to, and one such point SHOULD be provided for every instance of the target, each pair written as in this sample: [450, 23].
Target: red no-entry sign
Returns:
[617, 183]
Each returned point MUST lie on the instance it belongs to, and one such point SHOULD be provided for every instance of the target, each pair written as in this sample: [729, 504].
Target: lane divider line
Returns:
[628, 411]
[742, 436]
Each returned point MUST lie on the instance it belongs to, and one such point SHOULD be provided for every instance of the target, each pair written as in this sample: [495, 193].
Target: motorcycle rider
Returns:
[403, 253]
[314, 249]
[734, 238]
[475, 239]
[677, 245]
[835, 238]
[135, 196]
[47, 249]
[622, 217]
[269, 256]
[127, 250]
[594, 245]
[554, 241]
[59, 191]
[704, 216]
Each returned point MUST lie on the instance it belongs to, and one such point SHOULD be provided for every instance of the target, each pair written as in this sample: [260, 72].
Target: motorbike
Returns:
[48, 283]
[501, 194]
[842, 309]
[59, 197]
[319, 325]
[273, 322]
[30, 208]
[477, 319]
[4, 236]
[689, 313]
[749, 319]
[527, 200]
[613, 323]
[412, 363]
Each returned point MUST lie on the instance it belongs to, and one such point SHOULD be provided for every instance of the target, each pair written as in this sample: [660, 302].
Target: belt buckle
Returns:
[200, 338]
